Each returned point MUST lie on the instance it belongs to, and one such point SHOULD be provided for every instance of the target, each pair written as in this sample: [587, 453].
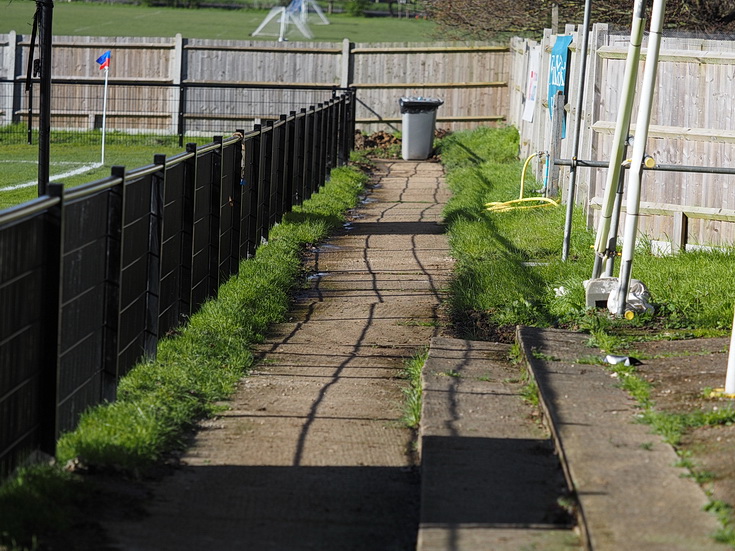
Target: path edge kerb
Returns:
[551, 422]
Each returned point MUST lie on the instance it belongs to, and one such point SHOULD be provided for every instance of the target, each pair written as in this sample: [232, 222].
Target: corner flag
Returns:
[104, 60]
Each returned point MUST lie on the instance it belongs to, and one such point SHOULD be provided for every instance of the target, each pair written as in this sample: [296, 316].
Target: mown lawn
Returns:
[82, 19]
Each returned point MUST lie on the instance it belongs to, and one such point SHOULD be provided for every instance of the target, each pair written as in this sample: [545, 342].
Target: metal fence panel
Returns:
[92, 278]
[30, 246]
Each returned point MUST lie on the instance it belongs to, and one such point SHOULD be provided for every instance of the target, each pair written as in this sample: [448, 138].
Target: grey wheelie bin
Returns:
[419, 120]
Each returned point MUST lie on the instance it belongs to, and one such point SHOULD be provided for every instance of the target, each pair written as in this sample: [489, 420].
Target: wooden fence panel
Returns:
[470, 77]
[692, 124]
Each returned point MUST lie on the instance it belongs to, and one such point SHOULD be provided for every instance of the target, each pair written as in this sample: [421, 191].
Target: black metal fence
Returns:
[138, 107]
[91, 277]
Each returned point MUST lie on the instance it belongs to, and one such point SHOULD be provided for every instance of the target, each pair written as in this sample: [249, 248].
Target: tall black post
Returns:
[46, 11]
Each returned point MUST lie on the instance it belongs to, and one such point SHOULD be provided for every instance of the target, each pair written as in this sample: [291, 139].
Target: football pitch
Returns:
[70, 164]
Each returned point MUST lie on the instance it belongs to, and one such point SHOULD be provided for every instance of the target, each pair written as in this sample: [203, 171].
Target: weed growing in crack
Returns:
[413, 394]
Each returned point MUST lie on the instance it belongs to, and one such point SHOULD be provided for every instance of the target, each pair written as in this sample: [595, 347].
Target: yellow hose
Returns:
[505, 206]
[523, 172]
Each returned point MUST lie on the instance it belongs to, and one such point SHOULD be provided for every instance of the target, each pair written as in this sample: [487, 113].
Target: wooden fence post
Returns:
[557, 120]
[347, 64]
[680, 234]
[590, 139]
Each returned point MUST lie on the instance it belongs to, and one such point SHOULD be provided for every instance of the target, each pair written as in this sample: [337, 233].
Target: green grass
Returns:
[413, 393]
[20, 166]
[82, 19]
[160, 400]
[509, 269]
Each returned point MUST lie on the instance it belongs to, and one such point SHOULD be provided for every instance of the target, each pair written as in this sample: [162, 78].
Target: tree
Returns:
[484, 19]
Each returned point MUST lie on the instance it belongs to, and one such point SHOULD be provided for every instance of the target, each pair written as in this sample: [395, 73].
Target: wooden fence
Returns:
[471, 78]
[692, 124]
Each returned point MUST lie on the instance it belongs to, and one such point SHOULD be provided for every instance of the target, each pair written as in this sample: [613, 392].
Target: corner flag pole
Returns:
[104, 116]
[104, 61]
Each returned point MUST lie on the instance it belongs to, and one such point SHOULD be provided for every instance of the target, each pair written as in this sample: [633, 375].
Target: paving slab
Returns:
[489, 476]
[631, 494]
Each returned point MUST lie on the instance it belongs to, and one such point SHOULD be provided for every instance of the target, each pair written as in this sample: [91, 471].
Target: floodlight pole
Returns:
[45, 13]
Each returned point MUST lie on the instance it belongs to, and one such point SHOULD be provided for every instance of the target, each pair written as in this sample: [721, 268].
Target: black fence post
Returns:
[181, 130]
[187, 238]
[51, 332]
[344, 152]
[313, 150]
[215, 179]
[236, 175]
[115, 206]
[298, 170]
[290, 162]
[305, 185]
[264, 183]
[29, 132]
[155, 242]
[275, 203]
[250, 192]
[332, 134]
[320, 149]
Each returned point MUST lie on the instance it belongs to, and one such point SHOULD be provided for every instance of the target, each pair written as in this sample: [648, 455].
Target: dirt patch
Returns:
[681, 374]
[385, 145]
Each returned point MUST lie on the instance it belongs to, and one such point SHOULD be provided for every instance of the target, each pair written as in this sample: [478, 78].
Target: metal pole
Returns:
[694, 169]
[612, 241]
[578, 126]
[622, 127]
[44, 119]
[104, 116]
[639, 152]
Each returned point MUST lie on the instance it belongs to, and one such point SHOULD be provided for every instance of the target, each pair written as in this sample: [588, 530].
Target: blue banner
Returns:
[558, 74]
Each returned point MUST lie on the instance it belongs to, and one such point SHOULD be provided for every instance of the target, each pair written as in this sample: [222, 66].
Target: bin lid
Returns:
[419, 104]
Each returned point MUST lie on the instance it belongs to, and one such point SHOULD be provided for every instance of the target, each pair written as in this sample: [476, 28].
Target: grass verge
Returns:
[508, 264]
[160, 400]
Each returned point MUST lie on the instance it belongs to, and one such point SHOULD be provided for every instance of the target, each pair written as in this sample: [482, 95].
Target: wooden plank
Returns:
[483, 118]
[429, 49]
[678, 56]
[668, 209]
[268, 49]
[673, 132]
[431, 85]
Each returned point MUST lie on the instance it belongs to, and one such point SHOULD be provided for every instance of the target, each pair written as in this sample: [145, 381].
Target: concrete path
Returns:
[632, 495]
[312, 453]
[490, 480]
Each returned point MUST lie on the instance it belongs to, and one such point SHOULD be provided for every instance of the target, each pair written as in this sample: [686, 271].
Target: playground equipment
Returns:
[296, 13]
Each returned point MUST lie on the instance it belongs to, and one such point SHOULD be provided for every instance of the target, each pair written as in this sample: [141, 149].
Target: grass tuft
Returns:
[414, 392]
